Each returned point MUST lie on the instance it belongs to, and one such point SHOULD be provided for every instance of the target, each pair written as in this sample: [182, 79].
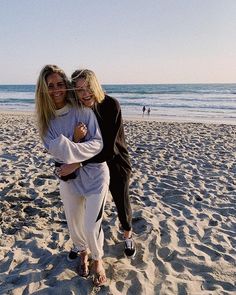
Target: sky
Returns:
[123, 42]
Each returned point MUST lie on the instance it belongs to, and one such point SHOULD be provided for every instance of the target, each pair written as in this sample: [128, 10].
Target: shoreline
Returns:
[171, 119]
[140, 117]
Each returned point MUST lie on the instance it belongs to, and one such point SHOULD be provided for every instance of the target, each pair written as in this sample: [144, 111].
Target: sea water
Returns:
[191, 102]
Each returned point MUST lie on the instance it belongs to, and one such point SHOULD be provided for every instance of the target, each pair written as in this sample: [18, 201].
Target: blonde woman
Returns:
[59, 120]
[114, 152]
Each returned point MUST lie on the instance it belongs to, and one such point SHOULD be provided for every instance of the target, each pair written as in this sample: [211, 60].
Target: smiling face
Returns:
[84, 93]
[57, 90]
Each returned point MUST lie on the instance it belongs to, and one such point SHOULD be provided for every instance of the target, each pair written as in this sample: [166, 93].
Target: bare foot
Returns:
[100, 275]
[127, 234]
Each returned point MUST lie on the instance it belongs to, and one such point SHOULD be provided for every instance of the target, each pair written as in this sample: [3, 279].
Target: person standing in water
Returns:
[144, 109]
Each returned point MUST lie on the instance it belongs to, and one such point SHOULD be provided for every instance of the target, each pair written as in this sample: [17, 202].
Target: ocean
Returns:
[190, 102]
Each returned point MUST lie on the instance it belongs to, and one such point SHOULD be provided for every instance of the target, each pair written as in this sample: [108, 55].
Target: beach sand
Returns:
[183, 193]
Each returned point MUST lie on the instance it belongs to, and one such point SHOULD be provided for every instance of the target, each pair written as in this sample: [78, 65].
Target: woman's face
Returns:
[57, 90]
[84, 93]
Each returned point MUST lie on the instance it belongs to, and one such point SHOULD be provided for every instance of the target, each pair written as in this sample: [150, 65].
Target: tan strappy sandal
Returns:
[83, 267]
[100, 278]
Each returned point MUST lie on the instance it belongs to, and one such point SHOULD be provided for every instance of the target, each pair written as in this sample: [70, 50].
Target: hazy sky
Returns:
[123, 41]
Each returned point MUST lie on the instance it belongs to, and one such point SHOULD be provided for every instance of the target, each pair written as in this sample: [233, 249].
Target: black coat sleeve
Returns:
[110, 121]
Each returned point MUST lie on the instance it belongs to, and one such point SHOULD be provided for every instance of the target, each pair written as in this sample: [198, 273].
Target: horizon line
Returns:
[107, 84]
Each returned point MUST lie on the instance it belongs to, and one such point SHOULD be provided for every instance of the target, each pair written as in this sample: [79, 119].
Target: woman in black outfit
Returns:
[115, 153]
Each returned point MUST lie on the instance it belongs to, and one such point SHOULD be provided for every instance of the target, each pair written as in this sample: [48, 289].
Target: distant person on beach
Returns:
[144, 109]
[115, 153]
[148, 111]
[62, 124]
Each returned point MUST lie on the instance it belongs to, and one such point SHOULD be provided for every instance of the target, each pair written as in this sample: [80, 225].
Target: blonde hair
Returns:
[45, 108]
[92, 81]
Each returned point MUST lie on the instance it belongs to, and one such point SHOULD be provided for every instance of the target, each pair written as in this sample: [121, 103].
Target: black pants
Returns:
[119, 188]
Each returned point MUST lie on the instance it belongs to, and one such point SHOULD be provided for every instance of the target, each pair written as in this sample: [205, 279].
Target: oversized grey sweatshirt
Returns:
[93, 177]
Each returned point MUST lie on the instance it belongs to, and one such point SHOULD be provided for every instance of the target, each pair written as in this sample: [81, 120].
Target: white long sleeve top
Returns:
[92, 177]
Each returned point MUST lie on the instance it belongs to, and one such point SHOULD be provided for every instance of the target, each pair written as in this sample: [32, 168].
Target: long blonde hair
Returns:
[92, 81]
[45, 108]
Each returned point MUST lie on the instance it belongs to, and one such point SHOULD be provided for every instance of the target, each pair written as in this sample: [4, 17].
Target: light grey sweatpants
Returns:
[84, 218]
